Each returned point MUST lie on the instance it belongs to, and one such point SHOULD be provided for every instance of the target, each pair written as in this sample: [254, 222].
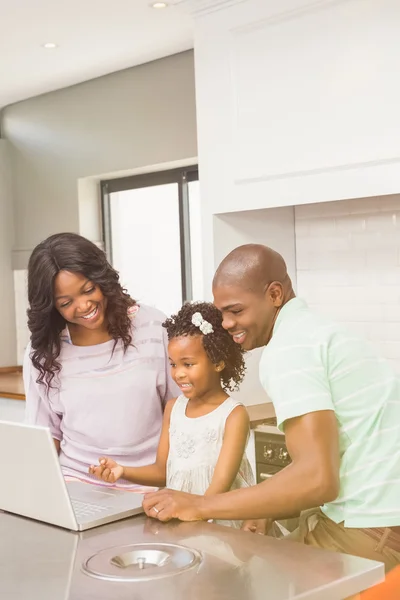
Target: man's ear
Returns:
[275, 293]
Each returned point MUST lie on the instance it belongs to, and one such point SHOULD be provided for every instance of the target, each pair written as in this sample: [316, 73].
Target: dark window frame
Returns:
[182, 176]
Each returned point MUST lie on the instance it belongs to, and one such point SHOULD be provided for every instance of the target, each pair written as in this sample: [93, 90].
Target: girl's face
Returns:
[79, 300]
[191, 368]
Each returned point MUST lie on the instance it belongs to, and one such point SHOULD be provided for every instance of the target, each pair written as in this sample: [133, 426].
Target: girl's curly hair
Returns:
[219, 344]
[74, 253]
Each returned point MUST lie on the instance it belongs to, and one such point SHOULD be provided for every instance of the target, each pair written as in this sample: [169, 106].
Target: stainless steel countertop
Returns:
[42, 562]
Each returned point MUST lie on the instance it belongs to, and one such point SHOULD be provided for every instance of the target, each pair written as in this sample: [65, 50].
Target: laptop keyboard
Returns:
[84, 509]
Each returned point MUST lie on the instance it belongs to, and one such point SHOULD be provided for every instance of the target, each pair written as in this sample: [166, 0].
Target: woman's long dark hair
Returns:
[74, 253]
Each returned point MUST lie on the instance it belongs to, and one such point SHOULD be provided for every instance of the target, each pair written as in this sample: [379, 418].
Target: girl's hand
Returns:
[260, 526]
[108, 470]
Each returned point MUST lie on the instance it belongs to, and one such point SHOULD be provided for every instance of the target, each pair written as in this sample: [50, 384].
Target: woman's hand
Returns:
[260, 526]
[108, 470]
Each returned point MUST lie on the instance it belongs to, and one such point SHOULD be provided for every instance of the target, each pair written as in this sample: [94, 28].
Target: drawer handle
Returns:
[265, 475]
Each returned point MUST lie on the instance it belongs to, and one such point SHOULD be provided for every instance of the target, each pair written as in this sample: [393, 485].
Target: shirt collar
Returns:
[294, 306]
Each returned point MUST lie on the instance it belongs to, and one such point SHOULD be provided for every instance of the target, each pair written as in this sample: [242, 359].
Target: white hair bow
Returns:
[204, 326]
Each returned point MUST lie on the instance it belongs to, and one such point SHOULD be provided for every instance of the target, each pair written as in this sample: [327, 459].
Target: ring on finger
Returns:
[156, 510]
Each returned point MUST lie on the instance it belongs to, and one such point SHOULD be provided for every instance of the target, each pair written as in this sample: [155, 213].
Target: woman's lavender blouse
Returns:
[107, 403]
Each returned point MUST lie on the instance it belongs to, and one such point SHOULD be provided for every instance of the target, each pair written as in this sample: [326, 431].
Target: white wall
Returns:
[305, 98]
[7, 311]
[124, 121]
[272, 227]
[348, 266]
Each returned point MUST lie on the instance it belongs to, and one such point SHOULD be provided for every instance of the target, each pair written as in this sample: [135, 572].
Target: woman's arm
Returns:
[169, 389]
[233, 447]
[151, 475]
[38, 410]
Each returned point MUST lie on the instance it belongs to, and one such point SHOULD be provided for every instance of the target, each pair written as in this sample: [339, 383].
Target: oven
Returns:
[272, 456]
[271, 451]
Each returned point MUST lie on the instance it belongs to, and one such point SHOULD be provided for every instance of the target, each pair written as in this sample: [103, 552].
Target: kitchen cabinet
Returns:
[12, 410]
[285, 118]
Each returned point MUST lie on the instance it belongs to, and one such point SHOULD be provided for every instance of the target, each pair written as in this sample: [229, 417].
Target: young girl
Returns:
[204, 432]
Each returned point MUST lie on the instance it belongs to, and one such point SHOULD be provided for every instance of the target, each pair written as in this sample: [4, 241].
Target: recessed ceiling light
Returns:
[159, 5]
[50, 46]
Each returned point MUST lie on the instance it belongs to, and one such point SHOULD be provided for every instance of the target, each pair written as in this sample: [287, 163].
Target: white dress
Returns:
[194, 447]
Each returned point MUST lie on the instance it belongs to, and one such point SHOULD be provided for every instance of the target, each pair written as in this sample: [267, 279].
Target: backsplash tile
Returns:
[348, 266]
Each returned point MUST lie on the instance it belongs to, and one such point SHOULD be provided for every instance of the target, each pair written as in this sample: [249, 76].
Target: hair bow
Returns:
[204, 326]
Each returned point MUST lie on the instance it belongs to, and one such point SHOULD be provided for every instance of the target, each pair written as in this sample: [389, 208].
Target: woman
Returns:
[96, 371]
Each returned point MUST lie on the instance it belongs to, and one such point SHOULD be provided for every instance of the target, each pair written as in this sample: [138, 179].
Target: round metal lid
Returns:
[141, 562]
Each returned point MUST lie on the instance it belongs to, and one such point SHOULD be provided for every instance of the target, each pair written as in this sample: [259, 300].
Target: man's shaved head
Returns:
[250, 288]
[254, 267]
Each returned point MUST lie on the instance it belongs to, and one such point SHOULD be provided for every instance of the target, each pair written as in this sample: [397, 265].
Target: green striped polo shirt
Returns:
[311, 364]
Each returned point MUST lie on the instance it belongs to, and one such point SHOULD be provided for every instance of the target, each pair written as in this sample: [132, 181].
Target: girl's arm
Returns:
[151, 475]
[233, 447]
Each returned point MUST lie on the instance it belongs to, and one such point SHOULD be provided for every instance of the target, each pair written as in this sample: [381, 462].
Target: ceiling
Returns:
[94, 37]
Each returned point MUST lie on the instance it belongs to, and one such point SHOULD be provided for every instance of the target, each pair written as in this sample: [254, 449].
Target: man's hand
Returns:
[260, 526]
[168, 504]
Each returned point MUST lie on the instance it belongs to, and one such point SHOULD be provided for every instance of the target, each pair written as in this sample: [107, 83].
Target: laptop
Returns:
[32, 484]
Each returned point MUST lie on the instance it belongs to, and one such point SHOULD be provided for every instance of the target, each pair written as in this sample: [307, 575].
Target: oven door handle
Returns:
[264, 476]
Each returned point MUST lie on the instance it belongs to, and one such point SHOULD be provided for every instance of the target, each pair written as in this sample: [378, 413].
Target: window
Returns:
[152, 233]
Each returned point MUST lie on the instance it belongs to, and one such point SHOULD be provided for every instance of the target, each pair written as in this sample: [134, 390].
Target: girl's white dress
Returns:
[194, 448]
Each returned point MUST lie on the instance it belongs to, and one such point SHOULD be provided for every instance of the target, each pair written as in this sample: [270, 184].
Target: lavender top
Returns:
[106, 403]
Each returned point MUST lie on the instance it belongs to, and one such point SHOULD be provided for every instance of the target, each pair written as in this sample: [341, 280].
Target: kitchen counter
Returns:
[261, 413]
[42, 562]
[12, 386]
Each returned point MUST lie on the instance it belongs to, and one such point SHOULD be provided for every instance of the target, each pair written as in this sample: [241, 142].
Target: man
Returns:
[338, 405]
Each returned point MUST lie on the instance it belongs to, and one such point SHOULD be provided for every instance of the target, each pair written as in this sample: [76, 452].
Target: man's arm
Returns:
[312, 479]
